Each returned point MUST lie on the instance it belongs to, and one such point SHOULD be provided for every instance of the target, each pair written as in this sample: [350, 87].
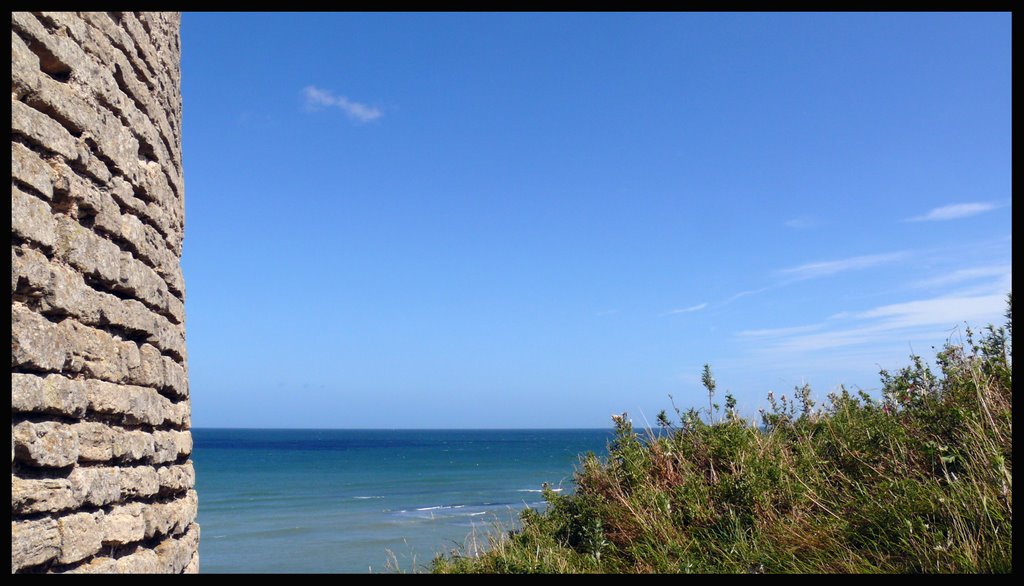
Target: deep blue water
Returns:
[341, 500]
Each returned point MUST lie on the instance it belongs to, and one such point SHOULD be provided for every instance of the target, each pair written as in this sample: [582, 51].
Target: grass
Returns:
[918, 480]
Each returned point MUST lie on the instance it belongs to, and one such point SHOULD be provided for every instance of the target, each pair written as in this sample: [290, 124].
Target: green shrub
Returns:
[918, 480]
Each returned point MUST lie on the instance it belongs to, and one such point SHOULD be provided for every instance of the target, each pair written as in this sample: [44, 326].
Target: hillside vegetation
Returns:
[916, 480]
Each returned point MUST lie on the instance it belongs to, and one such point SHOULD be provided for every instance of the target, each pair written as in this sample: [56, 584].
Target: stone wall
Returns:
[101, 476]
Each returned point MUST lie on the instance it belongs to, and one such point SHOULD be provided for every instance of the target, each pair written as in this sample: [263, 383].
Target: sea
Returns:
[358, 501]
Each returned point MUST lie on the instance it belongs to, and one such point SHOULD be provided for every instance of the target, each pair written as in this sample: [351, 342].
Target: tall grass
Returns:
[918, 480]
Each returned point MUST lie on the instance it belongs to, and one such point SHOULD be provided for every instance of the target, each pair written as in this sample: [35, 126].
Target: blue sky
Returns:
[536, 220]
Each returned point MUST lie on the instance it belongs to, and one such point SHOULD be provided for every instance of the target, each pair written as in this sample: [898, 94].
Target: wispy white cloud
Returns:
[692, 308]
[982, 301]
[819, 269]
[923, 319]
[942, 288]
[941, 311]
[822, 269]
[954, 212]
[745, 294]
[317, 98]
[969, 274]
[802, 222]
[1001, 283]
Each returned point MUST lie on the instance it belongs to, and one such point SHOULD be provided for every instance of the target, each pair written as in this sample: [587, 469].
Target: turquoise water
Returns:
[341, 500]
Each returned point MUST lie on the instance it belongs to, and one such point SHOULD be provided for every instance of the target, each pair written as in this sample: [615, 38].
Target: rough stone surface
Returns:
[175, 554]
[60, 291]
[31, 219]
[29, 169]
[41, 495]
[53, 394]
[104, 443]
[80, 536]
[144, 481]
[48, 444]
[98, 486]
[69, 347]
[193, 564]
[123, 525]
[175, 478]
[34, 542]
[101, 479]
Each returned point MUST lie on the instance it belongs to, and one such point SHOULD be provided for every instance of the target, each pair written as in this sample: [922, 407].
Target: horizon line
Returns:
[610, 428]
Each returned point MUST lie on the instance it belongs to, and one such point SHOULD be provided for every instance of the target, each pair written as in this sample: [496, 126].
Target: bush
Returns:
[918, 480]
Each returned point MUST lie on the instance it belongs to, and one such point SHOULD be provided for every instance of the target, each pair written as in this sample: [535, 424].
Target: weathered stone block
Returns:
[124, 524]
[172, 517]
[133, 445]
[24, 69]
[96, 486]
[142, 481]
[174, 378]
[96, 353]
[81, 535]
[29, 168]
[41, 495]
[31, 219]
[132, 404]
[91, 254]
[176, 478]
[43, 131]
[169, 445]
[95, 442]
[50, 394]
[47, 444]
[30, 271]
[35, 341]
[34, 542]
[175, 553]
